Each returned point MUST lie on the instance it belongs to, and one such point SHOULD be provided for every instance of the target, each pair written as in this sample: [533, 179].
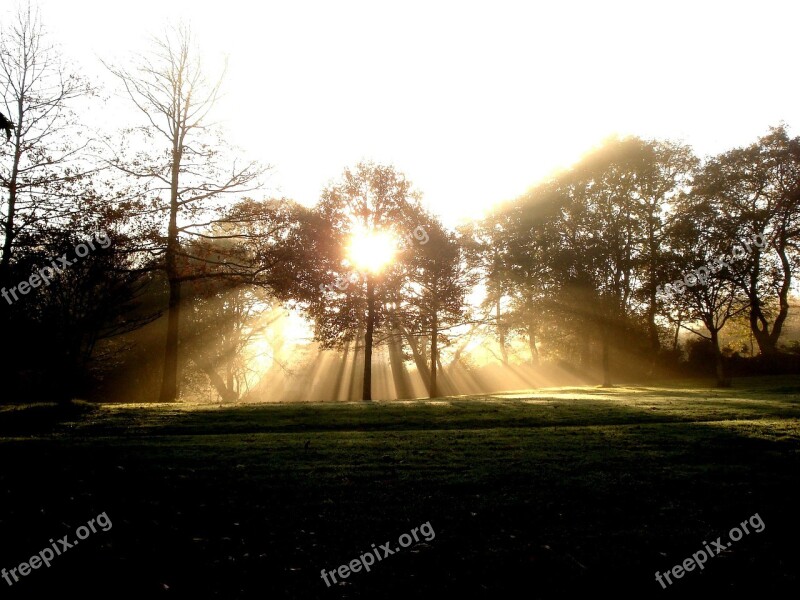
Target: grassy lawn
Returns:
[556, 492]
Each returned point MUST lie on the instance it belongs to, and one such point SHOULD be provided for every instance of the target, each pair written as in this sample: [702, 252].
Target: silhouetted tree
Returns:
[756, 191]
[367, 198]
[169, 87]
[433, 298]
[43, 167]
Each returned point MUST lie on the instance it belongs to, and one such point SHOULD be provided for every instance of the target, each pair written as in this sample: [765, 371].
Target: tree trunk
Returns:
[9, 372]
[367, 393]
[606, 359]
[227, 393]
[501, 333]
[352, 388]
[337, 385]
[230, 383]
[446, 385]
[652, 328]
[8, 240]
[768, 340]
[402, 385]
[419, 360]
[719, 366]
[434, 391]
[655, 342]
[169, 382]
[532, 345]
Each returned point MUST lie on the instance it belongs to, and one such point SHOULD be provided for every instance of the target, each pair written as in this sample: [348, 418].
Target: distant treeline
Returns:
[593, 273]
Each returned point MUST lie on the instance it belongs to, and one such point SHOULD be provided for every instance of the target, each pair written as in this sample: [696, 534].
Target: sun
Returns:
[371, 250]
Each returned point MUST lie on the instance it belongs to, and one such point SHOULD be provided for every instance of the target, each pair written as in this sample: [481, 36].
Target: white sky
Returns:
[473, 101]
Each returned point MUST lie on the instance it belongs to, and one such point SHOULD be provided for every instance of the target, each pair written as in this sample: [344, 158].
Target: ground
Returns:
[550, 493]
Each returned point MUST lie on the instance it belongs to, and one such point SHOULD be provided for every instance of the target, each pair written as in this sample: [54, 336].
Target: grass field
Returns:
[558, 493]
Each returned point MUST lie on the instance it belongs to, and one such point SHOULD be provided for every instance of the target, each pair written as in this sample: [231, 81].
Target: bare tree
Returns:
[169, 87]
[40, 163]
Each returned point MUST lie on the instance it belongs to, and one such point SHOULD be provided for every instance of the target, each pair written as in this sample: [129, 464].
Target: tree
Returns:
[703, 287]
[601, 234]
[263, 244]
[435, 291]
[756, 192]
[169, 87]
[83, 303]
[369, 200]
[674, 166]
[527, 235]
[486, 245]
[222, 325]
[579, 256]
[41, 167]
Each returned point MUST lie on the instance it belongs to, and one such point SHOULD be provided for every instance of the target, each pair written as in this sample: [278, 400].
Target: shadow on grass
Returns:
[43, 417]
[559, 499]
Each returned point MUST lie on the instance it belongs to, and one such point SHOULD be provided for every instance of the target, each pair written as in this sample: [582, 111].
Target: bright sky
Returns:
[474, 101]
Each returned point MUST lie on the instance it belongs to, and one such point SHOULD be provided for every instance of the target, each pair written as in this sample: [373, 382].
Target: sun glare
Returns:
[372, 251]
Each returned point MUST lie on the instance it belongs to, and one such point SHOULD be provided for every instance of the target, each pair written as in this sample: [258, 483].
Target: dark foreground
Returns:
[557, 494]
